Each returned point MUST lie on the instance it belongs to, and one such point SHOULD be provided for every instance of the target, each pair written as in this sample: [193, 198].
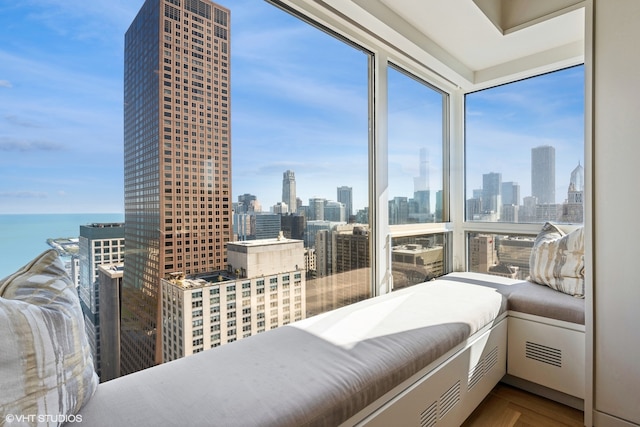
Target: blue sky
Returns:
[299, 102]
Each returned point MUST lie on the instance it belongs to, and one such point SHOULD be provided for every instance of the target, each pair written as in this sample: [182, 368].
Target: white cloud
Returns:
[23, 195]
[5, 83]
[19, 144]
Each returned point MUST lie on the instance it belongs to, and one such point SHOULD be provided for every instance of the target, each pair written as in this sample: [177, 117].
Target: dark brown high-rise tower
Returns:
[177, 159]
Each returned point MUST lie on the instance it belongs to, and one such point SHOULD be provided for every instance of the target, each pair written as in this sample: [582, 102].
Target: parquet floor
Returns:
[508, 406]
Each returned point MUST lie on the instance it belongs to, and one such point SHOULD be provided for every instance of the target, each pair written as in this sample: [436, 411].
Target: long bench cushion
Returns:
[319, 371]
[527, 297]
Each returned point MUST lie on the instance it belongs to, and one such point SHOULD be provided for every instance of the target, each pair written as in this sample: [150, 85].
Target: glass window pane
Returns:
[525, 150]
[415, 150]
[417, 259]
[300, 159]
[500, 254]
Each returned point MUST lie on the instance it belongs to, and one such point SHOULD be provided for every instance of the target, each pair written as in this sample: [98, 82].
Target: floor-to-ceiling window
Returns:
[417, 119]
[301, 150]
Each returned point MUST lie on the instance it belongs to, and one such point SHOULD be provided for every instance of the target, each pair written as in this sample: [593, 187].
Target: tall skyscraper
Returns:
[492, 192]
[177, 172]
[421, 192]
[289, 190]
[577, 178]
[510, 193]
[543, 174]
[345, 196]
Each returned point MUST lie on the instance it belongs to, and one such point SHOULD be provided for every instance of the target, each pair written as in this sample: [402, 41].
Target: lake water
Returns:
[23, 237]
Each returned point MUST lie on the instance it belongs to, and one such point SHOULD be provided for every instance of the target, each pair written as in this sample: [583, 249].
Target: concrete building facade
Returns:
[263, 288]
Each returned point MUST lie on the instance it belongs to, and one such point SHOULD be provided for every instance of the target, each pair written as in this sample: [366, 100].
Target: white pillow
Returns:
[46, 367]
[557, 260]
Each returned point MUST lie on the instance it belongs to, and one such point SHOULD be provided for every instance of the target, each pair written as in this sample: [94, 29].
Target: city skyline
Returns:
[62, 135]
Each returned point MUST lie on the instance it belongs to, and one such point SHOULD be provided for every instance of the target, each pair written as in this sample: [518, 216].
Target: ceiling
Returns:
[471, 43]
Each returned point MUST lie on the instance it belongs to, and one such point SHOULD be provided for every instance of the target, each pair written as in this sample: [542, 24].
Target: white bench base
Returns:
[446, 392]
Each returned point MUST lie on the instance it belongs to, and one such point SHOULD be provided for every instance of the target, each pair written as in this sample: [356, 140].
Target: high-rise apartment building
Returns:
[264, 289]
[177, 152]
[98, 244]
[289, 190]
[543, 174]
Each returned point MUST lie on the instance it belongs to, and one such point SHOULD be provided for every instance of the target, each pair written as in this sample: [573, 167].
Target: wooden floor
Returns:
[508, 406]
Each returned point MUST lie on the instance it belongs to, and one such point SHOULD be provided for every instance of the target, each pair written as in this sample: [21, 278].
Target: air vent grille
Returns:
[476, 373]
[542, 353]
[491, 359]
[429, 417]
[449, 399]
[483, 367]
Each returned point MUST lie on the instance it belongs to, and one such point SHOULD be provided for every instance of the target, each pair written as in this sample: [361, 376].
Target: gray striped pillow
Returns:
[46, 367]
[557, 260]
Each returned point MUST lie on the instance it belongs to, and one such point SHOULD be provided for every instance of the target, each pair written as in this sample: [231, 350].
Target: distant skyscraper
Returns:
[345, 196]
[335, 211]
[293, 225]
[510, 193]
[177, 162]
[98, 244]
[421, 182]
[439, 212]
[573, 209]
[421, 192]
[399, 211]
[543, 174]
[289, 190]
[491, 192]
[248, 203]
[266, 226]
[577, 178]
[316, 209]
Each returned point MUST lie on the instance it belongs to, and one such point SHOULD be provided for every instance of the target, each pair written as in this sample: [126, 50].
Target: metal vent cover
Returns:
[448, 400]
[483, 367]
[542, 353]
[429, 417]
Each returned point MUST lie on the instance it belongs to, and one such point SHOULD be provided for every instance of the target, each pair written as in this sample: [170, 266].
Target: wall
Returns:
[616, 235]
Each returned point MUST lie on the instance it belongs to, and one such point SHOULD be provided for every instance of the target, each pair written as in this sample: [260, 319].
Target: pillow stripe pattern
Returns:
[46, 366]
[557, 260]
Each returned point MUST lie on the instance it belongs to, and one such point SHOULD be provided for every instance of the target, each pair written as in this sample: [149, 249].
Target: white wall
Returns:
[616, 205]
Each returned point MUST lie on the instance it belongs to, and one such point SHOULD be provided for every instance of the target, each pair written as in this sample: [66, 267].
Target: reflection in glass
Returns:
[415, 150]
[417, 259]
[500, 255]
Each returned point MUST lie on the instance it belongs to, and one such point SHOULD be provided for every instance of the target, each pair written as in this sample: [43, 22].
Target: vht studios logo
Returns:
[42, 418]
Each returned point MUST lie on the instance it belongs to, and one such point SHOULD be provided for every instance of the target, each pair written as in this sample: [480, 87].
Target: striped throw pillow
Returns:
[46, 367]
[557, 260]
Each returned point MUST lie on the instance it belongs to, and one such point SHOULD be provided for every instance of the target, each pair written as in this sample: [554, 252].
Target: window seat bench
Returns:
[424, 355]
